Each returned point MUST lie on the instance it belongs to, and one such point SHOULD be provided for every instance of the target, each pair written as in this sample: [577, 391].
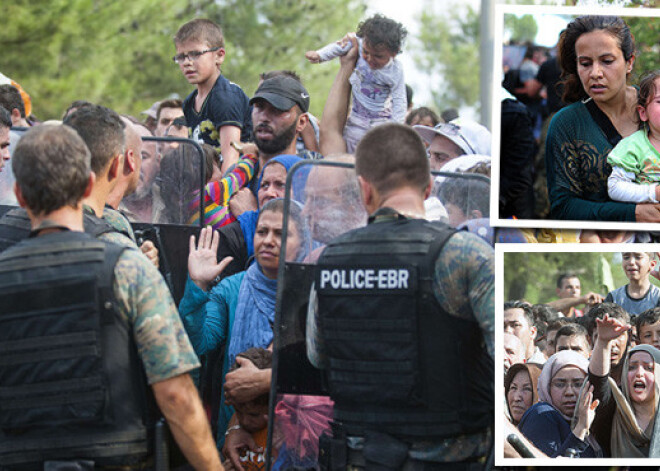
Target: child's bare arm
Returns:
[227, 134]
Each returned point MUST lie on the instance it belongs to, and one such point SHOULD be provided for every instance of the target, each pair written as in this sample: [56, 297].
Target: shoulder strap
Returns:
[106, 278]
[603, 122]
[96, 226]
[444, 232]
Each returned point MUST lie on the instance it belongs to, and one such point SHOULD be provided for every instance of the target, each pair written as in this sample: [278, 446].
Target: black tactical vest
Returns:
[15, 226]
[71, 382]
[397, 362]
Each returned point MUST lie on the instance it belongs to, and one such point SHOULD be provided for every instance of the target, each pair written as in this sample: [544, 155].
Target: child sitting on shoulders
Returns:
[378, 87]
[635, 160]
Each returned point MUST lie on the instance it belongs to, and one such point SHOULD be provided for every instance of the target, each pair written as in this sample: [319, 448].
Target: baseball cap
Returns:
[470, 136]
[153, 110]
[283, 92]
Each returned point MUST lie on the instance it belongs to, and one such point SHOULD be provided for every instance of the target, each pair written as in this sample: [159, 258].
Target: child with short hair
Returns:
[639, 294]
[217, 112]
[252, 415]
[378, 87]
[647, 325]
[635, 160]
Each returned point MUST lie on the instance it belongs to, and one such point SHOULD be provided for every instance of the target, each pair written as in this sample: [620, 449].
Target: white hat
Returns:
[470, 136]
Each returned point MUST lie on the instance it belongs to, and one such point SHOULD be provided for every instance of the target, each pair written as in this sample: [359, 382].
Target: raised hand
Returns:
[203, 266]
[609, 328]
[313, 57]
[585, 412]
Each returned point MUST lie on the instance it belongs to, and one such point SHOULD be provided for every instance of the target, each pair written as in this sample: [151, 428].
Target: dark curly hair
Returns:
[614, 25]
[379, 30]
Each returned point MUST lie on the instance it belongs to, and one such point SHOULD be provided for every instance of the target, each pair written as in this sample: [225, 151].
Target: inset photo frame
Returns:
[573, 139]
[531, 273]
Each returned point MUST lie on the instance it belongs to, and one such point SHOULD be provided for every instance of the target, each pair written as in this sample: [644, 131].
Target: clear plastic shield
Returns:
[172, 176]
[7, 197]
[323, 198]
[462, 200]
[328, 199]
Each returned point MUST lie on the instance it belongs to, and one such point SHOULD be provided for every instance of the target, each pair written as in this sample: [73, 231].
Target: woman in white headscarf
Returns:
[630, 408]
[549, 424]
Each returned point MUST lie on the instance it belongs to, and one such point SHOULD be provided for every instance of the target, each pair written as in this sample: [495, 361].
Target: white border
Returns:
[500, 250]
[500, 11]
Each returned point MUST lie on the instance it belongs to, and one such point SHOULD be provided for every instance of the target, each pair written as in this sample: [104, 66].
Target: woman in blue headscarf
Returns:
[240, 310]
[236, 238]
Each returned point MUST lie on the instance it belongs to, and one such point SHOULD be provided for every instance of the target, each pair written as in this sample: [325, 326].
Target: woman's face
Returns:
[268, 240]
[601, 66]
[273, 182]
[565, 388]
[641, 380]
[520, 395]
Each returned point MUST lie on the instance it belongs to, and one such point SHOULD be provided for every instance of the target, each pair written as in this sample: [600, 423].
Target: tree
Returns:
[522, 29]
[448, 46]
[533, 276]
[119, 53]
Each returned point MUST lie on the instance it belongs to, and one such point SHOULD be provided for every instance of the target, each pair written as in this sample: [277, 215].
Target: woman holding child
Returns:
[596, 54]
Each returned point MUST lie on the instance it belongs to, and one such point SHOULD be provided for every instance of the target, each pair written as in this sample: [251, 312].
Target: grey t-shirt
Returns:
[634, 307]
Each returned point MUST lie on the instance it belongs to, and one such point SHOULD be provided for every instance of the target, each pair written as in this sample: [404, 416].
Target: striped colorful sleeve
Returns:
[220, 192]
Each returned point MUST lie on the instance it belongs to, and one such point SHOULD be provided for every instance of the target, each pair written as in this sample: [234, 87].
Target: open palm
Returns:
[203, 266]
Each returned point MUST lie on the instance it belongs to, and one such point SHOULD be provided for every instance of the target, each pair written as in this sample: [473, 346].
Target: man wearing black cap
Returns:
[279, 113]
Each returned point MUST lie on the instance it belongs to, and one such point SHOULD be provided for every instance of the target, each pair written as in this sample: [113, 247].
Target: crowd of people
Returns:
[581, 383]
[73, 191]
[76, 188]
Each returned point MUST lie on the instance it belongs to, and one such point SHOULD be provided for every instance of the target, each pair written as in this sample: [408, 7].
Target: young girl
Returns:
[635, 160]
[378, 88]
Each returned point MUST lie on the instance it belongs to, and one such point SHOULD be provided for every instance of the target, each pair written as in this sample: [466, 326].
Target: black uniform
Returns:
[72, 383]
[15, 226]
[390, 348]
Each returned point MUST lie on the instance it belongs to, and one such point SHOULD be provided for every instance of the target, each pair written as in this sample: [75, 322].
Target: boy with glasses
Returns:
[217, 112]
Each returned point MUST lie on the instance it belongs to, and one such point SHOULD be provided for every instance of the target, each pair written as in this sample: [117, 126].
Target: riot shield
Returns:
[172, 176]
[300, 408]
[7, 180]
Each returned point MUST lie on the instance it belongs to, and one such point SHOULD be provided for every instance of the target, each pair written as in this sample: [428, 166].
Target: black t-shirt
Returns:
[549, 75]
[226, 105]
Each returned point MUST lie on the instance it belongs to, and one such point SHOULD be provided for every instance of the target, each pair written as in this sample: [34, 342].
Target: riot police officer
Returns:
[404, 324]
[86, 328]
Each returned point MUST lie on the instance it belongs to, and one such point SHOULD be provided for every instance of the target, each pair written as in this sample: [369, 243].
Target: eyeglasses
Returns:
[563, 384]
[192, 55]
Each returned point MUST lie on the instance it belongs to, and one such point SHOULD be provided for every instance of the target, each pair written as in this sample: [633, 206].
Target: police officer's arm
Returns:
[465, 282]
[336, 106]
[179, 402]
[166, 353]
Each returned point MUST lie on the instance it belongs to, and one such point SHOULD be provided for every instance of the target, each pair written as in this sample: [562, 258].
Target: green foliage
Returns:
[119, 53]
[522, 29]
[449, 47]
[533, 276]
[646, 32]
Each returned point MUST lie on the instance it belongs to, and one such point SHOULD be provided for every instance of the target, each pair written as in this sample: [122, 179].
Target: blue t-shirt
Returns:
[226, 105]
